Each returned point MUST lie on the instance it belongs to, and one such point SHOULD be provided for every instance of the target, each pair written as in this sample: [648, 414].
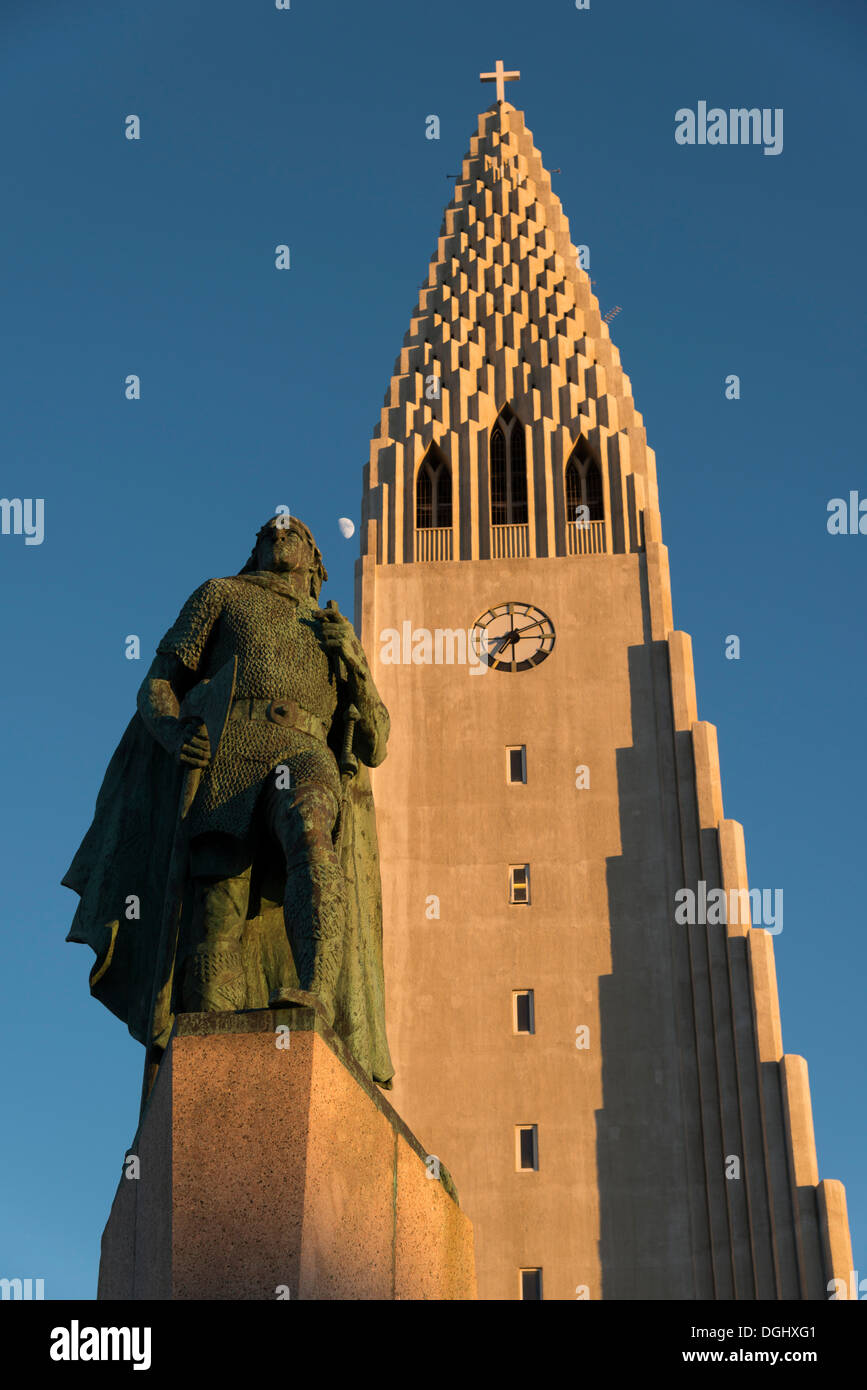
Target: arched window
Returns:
[433, 491]
[583, 485]
[508, 468]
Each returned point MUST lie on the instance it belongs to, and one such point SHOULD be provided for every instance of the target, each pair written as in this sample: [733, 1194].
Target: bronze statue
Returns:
[232, 862]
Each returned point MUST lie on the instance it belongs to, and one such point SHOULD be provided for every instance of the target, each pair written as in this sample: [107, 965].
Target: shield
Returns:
[211, 702]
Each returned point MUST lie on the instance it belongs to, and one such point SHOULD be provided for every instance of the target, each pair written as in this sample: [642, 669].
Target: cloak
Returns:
[121, 874]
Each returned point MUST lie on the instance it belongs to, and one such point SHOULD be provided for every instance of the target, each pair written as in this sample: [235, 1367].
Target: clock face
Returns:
[513, 636]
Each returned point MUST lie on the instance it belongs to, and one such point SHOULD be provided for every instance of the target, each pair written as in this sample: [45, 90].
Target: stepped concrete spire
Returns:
[507, 313]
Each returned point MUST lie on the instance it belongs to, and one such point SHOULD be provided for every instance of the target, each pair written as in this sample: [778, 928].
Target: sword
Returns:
[348, 763]
[348, 760]
[348, 769]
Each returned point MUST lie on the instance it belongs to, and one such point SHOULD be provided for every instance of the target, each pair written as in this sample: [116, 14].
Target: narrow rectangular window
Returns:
[530, 1284]
[516, 763]
[527, 1148]
[519, 883]
[524, 1012]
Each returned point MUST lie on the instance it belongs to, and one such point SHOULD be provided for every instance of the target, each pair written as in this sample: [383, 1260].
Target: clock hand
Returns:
[498, 645]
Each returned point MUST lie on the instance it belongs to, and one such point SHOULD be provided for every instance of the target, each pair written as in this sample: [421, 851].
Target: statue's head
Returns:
[285, 546]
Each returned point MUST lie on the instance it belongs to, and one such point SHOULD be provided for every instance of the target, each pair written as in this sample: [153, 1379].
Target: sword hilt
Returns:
[348, 760]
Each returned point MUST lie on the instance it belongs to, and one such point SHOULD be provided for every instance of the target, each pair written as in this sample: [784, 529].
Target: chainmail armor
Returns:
[276, 639]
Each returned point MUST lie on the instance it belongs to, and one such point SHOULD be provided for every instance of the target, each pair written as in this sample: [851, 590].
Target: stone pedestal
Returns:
[271, 1167]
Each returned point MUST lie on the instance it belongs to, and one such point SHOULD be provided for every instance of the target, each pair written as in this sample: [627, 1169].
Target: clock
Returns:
[513, 636]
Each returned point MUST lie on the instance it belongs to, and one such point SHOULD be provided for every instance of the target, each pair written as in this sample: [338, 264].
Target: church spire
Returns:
[507, 316]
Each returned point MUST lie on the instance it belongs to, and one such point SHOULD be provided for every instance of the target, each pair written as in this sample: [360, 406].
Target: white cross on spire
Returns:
[500, 77]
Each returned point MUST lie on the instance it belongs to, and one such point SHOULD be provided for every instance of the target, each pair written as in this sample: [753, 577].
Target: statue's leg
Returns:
[214, 979]
[302, 819]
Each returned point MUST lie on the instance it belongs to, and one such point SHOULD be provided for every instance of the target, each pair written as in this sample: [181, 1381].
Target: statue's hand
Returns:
[193, 746]
[338, 636]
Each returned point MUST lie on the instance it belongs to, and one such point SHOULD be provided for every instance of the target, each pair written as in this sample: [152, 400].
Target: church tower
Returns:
[605, 1080]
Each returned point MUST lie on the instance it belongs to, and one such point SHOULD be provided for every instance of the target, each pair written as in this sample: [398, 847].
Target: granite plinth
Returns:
[271, 1167]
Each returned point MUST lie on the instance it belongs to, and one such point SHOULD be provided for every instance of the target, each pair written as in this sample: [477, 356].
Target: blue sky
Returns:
[155, 257]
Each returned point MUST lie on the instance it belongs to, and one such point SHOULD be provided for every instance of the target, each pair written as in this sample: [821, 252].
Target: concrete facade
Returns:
[657, 1055]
